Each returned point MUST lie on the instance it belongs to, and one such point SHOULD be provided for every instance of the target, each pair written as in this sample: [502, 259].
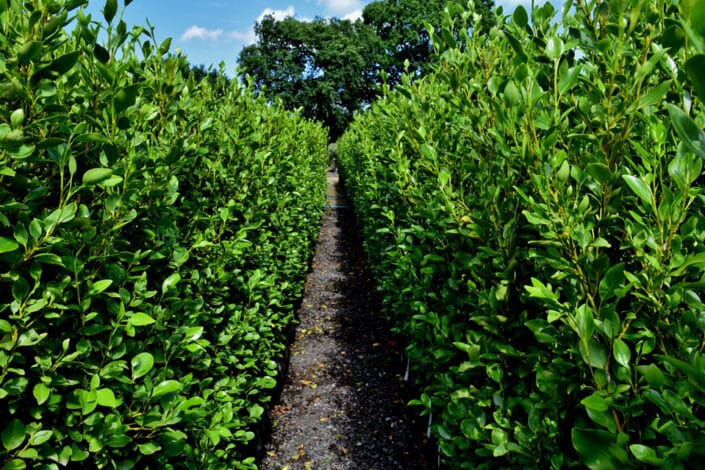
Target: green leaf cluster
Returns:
[533, 211]
[154, 233]
[333, 68]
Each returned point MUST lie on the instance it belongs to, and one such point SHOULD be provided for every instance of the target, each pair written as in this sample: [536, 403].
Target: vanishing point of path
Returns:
[343, 401]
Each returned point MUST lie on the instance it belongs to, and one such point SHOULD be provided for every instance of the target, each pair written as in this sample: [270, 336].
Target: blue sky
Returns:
[211, 31]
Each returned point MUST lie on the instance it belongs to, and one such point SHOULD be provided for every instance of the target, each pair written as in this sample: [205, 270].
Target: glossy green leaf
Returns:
[685, 168]
[96, 175]
[142, 363]
[521, 17]
[101, 53]
[125, 98]
[688, 131]
[59, 66]
[512, 94]
[49, 258]
[110, 10]
[21, 235]
[673, 38]
[140, 319]
[613, 279]
[7, 245]
[41, 393]
[166, 387]
[697, 18]
[640, 188]
[585, 322]
[149, 448]
[518, 49]
[569, 79]
[655, 96]
[554, 48]
[654, 376]
[645, 454]
[621, 351]
[17, 118]
[87, 400]
[106, 397]
[594, 354]
[100, 286]
[170, 282]
[28, 52]
[695, 70]
[594, 448]
[600, 172]
[40, 437]
[13, 435]
[596, 402]
[14, 464]
[165, 46]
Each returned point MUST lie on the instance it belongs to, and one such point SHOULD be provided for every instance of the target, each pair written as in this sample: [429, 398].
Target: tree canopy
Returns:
[330, 68]
[321, 66]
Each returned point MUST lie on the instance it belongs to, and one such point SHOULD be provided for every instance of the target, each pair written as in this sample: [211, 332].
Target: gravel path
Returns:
[343, 402]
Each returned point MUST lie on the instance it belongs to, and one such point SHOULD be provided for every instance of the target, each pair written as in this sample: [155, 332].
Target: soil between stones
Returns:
[343, 403]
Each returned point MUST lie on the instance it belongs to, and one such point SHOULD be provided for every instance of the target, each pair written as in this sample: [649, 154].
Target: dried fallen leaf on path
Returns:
[308, 383]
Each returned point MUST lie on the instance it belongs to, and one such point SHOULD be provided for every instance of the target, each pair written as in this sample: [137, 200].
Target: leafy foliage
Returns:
[403, 26]
[154, 231]
[322, 67]
[332, 68]
[534, 213]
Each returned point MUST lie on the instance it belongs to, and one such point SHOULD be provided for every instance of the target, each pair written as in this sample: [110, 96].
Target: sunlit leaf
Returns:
[140, 319]
[96, 175]
[645, 454]
[7, 245]
[621, 352]
[640, 188]
[170, 282]
[142, 363]
[41, 393]
[165, 387]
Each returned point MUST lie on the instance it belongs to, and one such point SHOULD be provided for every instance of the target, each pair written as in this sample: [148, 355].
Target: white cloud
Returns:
[341, 7]
[247, 37]
[353, 16]
[277, 14]
[198, 32]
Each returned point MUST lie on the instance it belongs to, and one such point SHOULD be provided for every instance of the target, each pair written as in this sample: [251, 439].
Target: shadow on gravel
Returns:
[374, 369]
[343, 403]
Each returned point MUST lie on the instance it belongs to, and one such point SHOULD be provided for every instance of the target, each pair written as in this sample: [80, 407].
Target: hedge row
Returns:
[534, 211]
[154, 233]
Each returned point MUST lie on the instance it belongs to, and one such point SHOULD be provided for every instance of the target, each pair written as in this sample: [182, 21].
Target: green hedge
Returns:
[533, 211]
[154, 234]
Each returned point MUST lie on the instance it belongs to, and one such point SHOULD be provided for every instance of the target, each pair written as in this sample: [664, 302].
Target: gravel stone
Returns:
[343, 402]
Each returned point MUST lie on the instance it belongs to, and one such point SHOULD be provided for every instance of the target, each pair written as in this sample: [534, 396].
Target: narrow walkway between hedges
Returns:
[343, 402]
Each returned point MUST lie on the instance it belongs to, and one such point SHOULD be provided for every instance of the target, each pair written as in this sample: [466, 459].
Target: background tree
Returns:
[321, 66]
[331, 68]
[400, 26]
